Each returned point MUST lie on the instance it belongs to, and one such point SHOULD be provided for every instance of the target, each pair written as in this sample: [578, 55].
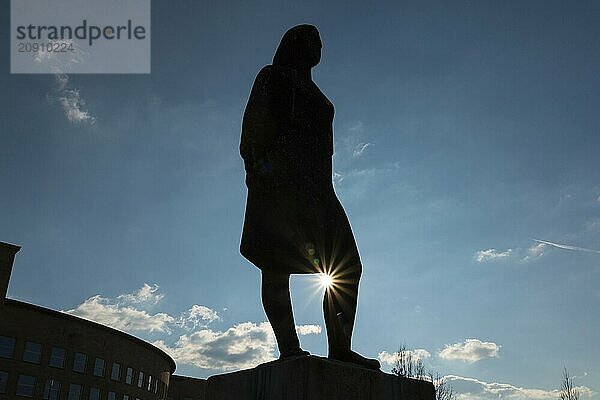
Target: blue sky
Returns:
[464, 131]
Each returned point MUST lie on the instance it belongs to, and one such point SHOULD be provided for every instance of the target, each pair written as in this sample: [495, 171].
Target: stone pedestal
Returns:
[315, 378]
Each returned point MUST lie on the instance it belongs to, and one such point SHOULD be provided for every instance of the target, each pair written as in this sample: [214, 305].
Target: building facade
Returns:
[186, 388]
[50, 355]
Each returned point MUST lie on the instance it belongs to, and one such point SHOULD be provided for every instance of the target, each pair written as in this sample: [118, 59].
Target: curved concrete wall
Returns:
[110, 357]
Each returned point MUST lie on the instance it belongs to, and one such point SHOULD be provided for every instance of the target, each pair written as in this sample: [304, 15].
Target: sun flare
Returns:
[326, 280]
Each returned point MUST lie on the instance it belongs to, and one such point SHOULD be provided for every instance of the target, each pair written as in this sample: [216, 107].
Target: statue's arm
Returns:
[265, 115]
[257, 126]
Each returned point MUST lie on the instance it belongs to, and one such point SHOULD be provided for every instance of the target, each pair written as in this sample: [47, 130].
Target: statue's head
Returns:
[300, 47]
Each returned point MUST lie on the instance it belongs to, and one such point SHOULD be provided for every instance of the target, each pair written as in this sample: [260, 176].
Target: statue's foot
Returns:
[293, 354]
[355, 358]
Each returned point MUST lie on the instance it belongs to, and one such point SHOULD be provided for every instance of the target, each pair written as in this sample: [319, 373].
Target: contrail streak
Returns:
[567, 247]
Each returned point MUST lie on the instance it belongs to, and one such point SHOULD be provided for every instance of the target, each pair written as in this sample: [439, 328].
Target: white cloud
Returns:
[387, 358]
[567, 246]
[72, 105]
[357, 127]
[146, 296]
[598, 199]
[352, 143]
[534, 252]
[470, 350]
[60, 62]
[473, 389]
[70, 100]
[197, 316]
[368, 173]
[337, 178]
[483, 256]
[122, 317]
[537, 250]
[360, 148]
[129, 312]
[308, 329]
[61, 81]
[243, 345]
[421, 353]
[390, 358]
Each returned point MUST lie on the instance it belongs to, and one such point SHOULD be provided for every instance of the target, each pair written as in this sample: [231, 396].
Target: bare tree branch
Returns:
[568, 391]
[443, 390]
[407, 365]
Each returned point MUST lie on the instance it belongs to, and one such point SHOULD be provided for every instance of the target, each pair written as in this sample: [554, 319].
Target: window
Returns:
[74, 392]
[3, 381]
[129, 376]
[111, 396]
[79, 362]
[52, 390]
[57, 357]
[94, 394]
[7, 346]
[115, 373]
[32, 352]
[99, 367]
[125, 397]
[26, 386]
[141, 379]
[149, 383]
[155, 385]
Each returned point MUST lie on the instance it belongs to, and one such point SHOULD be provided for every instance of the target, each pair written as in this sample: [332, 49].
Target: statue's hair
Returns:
[294, 43]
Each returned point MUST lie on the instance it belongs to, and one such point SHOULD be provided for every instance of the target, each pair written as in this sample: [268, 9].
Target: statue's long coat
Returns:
[294, 222]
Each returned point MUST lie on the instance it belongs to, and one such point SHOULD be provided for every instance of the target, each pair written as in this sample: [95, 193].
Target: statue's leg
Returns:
[339, 308]
[339, 303]
[278, 307]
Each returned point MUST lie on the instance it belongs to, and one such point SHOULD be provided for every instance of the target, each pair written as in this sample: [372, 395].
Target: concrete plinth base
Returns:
[314, 378]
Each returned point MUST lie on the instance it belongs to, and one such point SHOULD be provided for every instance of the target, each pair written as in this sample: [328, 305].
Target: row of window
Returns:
[32, 353]
[26, 386]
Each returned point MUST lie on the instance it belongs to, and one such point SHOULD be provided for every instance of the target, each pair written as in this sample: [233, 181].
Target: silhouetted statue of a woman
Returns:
[294, 222]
